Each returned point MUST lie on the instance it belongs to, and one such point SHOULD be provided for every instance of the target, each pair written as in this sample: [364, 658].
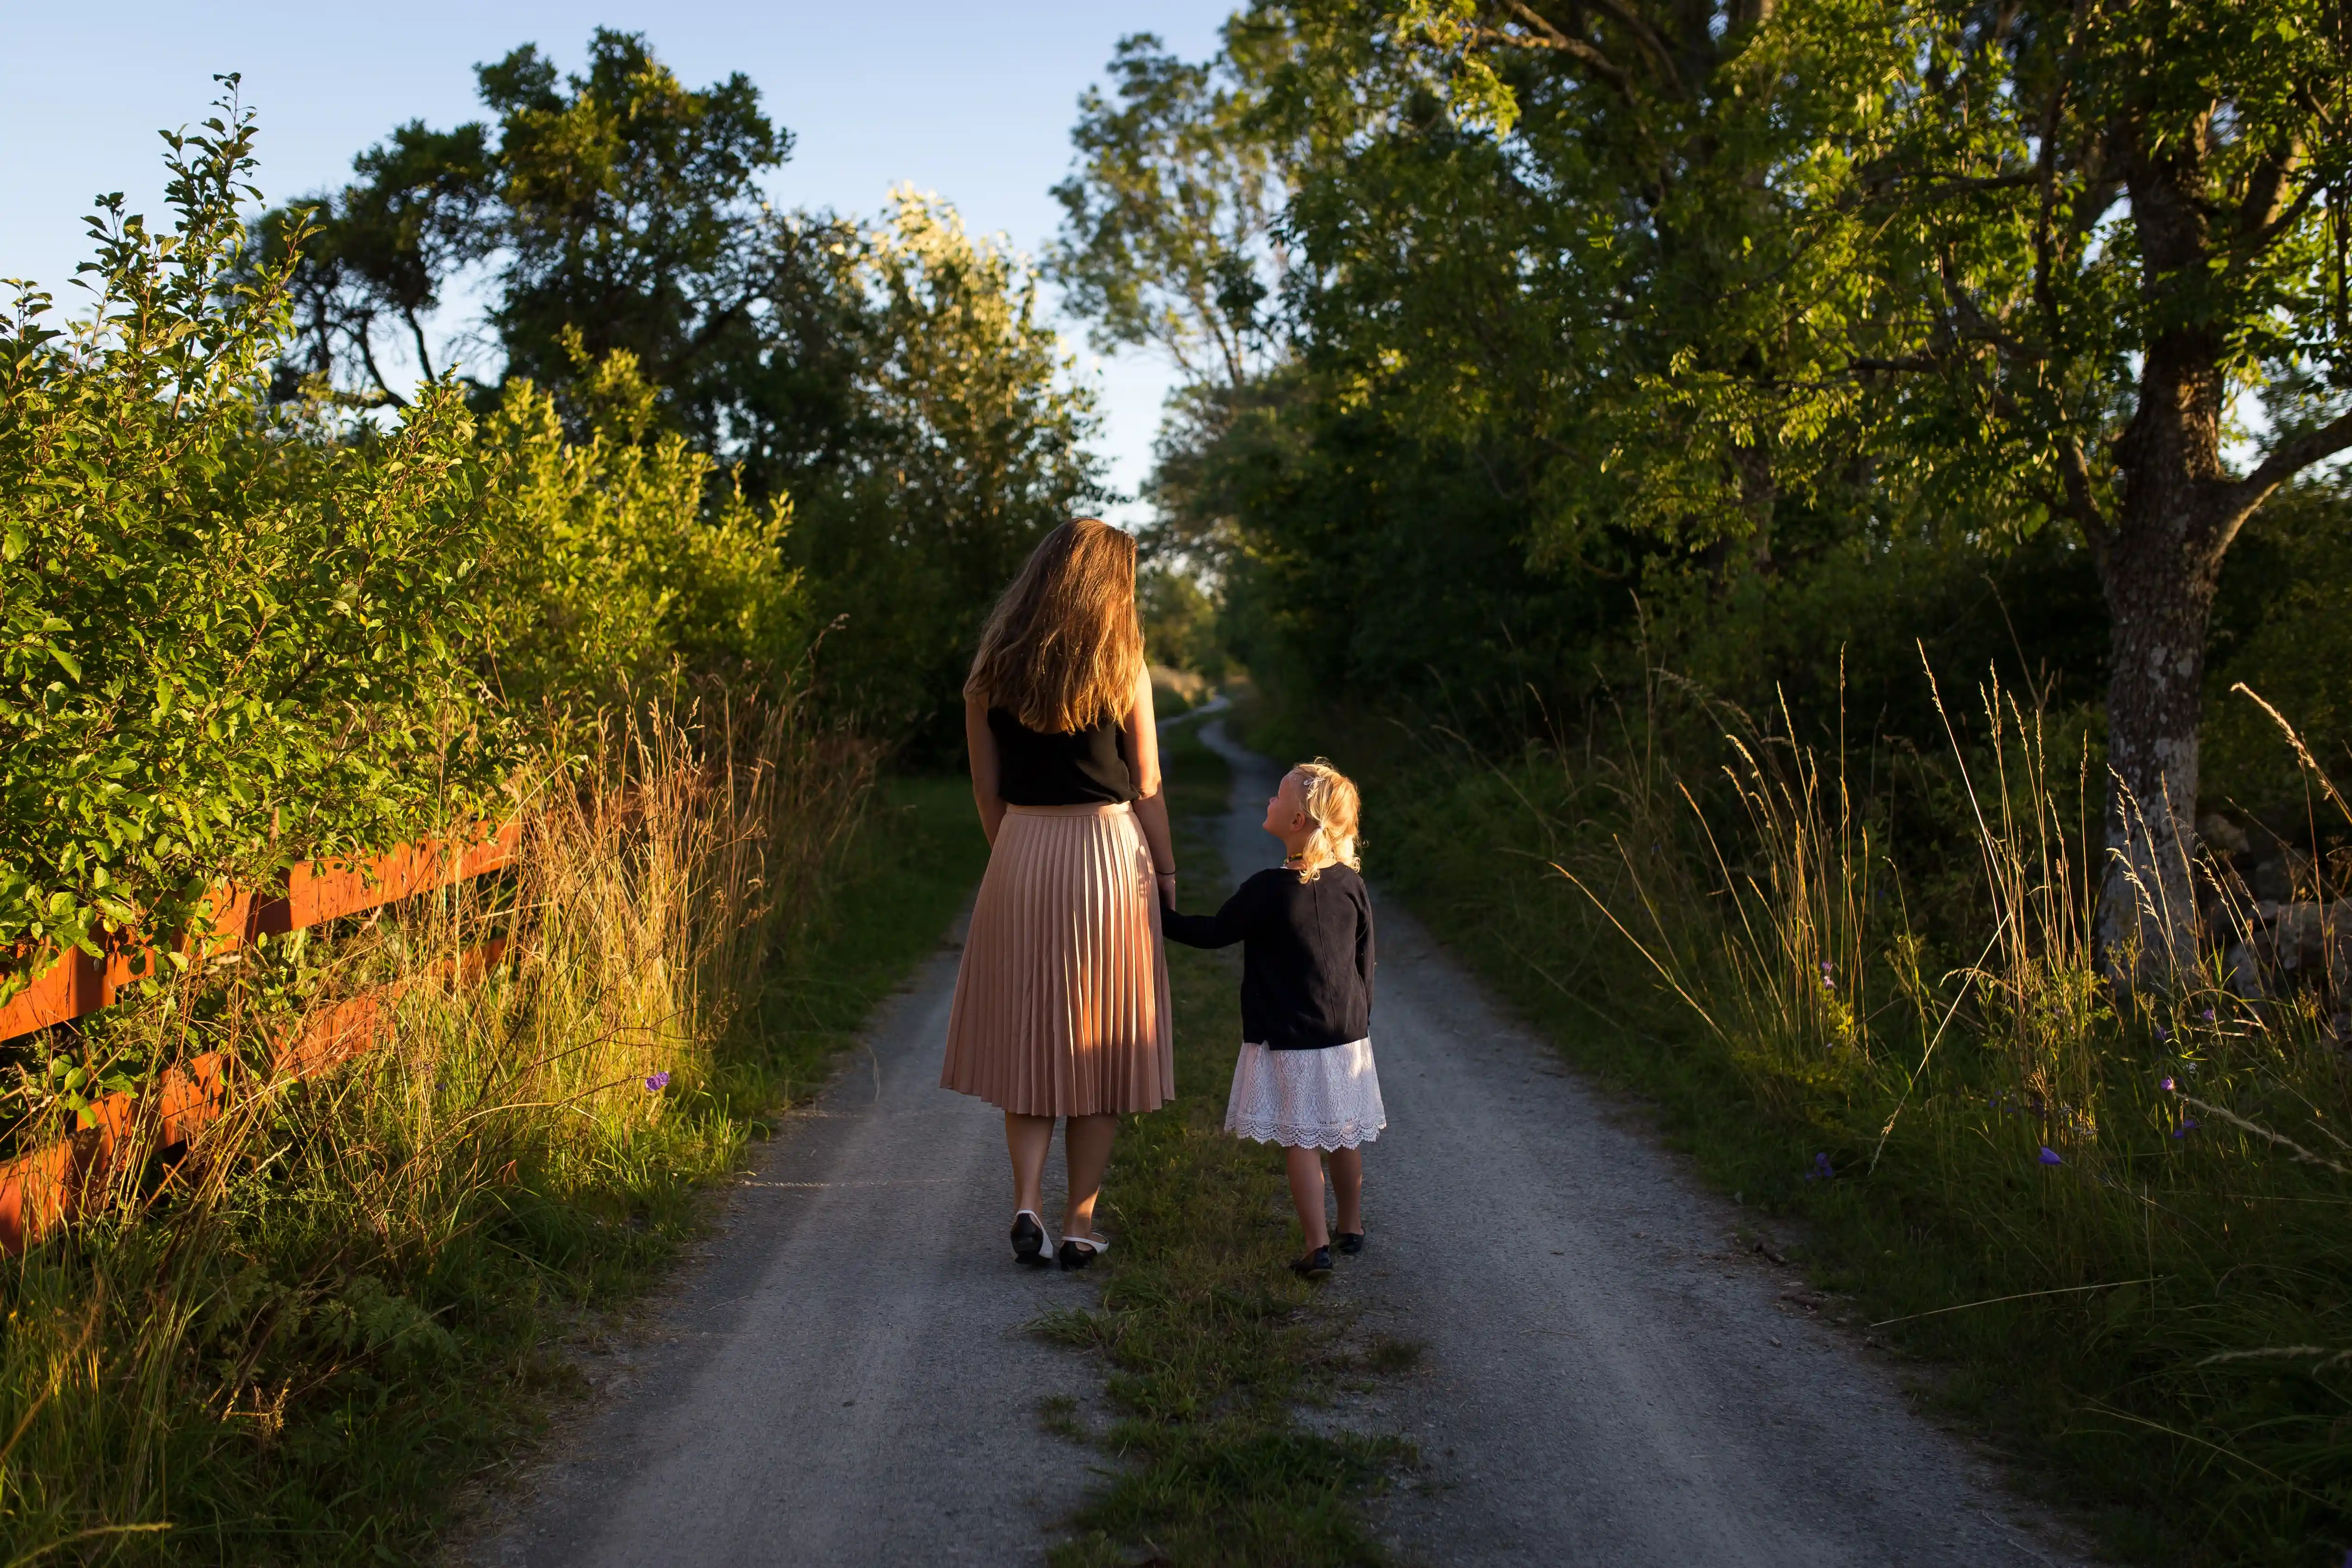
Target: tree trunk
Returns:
[2159, 600]
[2178, 511]
[2160, 569]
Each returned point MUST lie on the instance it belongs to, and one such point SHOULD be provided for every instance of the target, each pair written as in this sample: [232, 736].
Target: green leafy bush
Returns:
[233, 636]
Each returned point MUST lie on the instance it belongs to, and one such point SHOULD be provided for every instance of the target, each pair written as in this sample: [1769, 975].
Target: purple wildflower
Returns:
[1822, 1170]
[2050, 1156]
[2169, 1086]
[2162, 1033]
[656, 1083]
[2206, 1014]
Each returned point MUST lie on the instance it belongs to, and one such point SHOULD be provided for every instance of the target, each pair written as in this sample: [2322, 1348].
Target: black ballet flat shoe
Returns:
[1351, 1242]
[1076, 1253]
[1028, 1238]
[1315, 1265]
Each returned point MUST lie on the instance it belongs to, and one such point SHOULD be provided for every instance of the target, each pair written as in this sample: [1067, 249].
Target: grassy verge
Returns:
[2074, 1206]
[1210, 1341]
[291, 1346]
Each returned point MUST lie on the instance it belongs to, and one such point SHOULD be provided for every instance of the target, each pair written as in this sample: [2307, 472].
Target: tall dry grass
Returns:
[286, 1341]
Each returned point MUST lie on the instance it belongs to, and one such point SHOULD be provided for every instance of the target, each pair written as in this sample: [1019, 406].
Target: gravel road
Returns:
[1609, 1377]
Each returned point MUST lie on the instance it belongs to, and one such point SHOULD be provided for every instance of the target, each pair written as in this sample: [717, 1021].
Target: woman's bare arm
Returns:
[1152, 801]
[980, 741]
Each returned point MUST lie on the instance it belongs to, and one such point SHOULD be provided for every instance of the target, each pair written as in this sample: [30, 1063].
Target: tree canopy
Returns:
[1644, 295]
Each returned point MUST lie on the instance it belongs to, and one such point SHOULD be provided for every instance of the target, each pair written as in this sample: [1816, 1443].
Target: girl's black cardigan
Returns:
[1306, 955]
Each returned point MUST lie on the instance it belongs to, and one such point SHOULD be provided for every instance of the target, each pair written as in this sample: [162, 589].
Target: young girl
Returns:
[1305, 1079]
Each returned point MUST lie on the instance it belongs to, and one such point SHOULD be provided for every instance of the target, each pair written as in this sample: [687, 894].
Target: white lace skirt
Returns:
[1326, 1098]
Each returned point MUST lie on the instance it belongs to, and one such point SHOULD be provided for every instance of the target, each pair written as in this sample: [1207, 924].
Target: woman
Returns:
[1061, 1005]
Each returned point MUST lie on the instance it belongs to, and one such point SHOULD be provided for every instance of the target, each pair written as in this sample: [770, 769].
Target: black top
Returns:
[1083, 767]
[1306, 955]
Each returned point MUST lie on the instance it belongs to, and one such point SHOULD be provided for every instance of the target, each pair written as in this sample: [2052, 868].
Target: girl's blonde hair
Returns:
[1333, 806]
[1062, 648]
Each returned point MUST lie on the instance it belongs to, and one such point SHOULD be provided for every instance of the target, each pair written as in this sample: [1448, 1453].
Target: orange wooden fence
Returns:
[45, 1188]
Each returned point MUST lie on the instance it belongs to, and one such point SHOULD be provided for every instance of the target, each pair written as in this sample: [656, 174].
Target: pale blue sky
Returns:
[974, 102]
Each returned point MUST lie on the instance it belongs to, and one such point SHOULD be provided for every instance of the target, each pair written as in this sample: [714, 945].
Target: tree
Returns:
[973, 447]
[238, 631]
[2117, 221]
[617, 204]
[1180, 621]
[1486, 303]
[629, 208]
[1168, 234]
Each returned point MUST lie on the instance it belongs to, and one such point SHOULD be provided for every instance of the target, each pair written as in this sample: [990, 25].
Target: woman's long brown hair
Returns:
[1062, 648]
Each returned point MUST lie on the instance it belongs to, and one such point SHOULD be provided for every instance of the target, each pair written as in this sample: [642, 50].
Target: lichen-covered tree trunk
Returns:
[2159, 568]
[2160, 596]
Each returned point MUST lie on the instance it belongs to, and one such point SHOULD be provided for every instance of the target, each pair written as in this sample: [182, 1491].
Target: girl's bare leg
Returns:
[1348, 1187]
[1306, 1193]
[1028, 1139]
[1087, 1145]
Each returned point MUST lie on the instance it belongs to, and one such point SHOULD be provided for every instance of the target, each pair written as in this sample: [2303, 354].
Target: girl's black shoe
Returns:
[1076, 1253]
[1028, 1238]
[1351, 1242]
[1315, 1265]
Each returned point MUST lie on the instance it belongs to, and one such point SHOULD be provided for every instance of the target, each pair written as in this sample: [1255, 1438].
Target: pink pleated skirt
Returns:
[1061, 1004]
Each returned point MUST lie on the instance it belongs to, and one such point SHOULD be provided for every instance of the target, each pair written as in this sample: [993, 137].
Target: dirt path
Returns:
[843, 1378]
[1610, 1377]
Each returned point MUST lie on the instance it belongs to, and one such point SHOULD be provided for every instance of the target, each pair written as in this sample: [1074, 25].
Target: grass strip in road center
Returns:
[1210, 1341]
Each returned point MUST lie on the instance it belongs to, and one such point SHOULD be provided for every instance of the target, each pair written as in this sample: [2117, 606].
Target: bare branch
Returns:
[2292, 457]
[2080, 505]
[2282, 220]
[416, 330]
[384, 394]
[1970, 325]
[2265, 189]
[1644, 34]
[1575, 48]
[1970, 185]
[1529, 17]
